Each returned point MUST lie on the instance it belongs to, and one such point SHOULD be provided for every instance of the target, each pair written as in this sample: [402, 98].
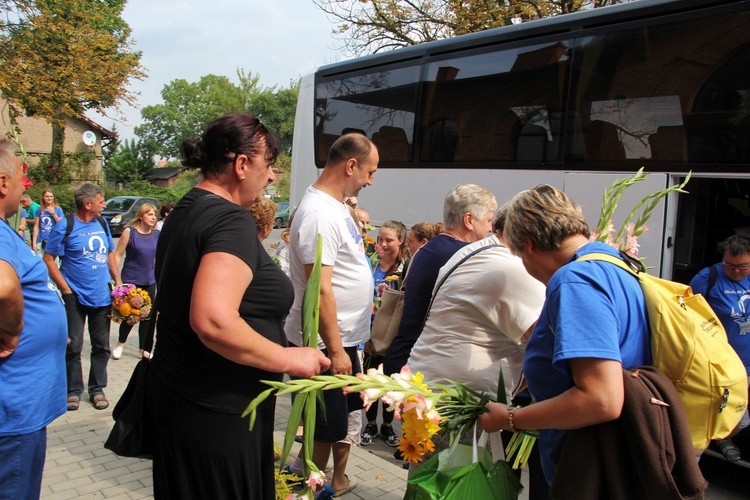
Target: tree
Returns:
[188, 107]
[132, 162]
[186, 110]
[109, 148]
[277, 108]
[63, 57]
[370, 26]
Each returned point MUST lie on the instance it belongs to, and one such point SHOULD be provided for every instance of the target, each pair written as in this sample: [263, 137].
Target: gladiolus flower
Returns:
[316, 479]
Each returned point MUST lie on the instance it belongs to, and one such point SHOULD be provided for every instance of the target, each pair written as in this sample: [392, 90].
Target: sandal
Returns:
[729, 449]
[100, 401]
[73, 403]
[351, 484]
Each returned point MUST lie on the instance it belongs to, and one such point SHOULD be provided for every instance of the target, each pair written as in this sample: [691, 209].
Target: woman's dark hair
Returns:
[165, 209]
[224, 139]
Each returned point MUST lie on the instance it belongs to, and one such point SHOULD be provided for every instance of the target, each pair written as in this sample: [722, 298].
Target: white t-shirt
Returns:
[479, 317]
[344, 249]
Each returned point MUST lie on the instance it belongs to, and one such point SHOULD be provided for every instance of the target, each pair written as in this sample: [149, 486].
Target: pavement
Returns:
[78, 465]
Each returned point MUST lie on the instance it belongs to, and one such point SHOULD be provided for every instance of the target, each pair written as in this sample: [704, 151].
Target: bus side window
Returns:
[393, 146]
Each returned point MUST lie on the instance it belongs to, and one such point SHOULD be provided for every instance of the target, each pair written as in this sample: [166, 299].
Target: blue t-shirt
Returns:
[593, 309]
[47, 222]
[33, 386]
[730, 300]
[84, 259]
[24, 214]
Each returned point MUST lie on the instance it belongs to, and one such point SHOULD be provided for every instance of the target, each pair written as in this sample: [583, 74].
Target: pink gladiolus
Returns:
[370, 396]
[418, 403]
[316, 479]
[393, 400]
[377, 374]
[434, 416]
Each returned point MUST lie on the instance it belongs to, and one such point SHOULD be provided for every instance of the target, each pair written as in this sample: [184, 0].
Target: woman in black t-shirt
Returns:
[221, 302]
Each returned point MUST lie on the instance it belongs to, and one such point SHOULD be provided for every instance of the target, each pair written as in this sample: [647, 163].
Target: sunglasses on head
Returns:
[252, 134]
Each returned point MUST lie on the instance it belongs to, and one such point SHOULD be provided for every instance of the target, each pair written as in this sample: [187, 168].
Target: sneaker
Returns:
[389, 435]
[117, 351]
[371, 430]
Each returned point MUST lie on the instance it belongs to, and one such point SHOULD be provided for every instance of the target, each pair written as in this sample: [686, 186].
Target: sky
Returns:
[279, 40]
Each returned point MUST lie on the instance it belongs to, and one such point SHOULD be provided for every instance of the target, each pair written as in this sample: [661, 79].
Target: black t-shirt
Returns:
[203, 223]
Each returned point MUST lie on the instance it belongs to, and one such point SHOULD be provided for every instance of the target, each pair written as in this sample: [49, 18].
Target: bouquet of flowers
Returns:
[423, 407]
[130, 304]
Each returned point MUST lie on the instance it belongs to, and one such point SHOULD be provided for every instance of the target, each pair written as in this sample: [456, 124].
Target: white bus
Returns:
[575, 101]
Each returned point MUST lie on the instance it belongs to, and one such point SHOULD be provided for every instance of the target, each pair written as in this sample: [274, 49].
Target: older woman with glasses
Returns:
[726, 286]
[467, 213]
[221, 301]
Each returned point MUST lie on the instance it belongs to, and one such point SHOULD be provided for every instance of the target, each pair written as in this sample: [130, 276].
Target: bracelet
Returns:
[512, 409]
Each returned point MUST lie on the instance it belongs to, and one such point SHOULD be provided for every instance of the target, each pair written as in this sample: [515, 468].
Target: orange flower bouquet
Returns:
[130, 304]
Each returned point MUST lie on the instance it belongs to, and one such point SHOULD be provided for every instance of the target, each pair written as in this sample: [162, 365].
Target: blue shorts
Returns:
[332, 422]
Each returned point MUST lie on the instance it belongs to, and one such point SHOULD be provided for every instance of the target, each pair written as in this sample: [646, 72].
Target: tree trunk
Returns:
[56, 155]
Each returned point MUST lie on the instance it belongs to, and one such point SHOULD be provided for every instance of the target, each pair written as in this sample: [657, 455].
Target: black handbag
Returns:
[130, 435]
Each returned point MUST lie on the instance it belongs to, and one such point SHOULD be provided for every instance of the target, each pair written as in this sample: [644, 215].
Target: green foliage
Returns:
[284, 164]
[189, 107]
[64, 195]
[185, 182]
[109, 148]
[186, 110]
[75, 166]
[132, 162]
[277, 108]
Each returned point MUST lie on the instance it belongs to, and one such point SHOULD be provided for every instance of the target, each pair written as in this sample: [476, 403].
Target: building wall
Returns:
[36, 137]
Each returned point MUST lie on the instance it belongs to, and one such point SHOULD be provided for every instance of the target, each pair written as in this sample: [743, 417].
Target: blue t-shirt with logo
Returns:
[47, 222]
[730, 300]
[33, 385]
[84, 259]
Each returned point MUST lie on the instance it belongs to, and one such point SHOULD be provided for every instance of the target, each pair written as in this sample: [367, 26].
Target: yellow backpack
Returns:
[689, 345]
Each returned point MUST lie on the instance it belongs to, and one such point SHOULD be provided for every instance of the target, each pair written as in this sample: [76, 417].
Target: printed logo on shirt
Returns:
[741, 316]
[355, 234]
[46, 223]
[96, 250]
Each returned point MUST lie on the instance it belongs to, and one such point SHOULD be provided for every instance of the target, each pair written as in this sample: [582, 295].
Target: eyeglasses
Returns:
[735, 267]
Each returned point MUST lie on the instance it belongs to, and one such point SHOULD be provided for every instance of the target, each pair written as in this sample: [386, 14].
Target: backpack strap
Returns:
[70, 219]
[713, 275]
[627, 266]
[434, 294]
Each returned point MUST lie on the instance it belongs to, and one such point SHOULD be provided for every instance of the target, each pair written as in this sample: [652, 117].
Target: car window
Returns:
[119, 204]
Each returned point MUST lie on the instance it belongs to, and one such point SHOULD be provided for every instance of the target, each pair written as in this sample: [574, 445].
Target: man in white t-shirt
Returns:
[345, 289]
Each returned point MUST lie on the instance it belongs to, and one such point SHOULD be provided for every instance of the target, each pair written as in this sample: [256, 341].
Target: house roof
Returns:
[106, 133]
[163, 173]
